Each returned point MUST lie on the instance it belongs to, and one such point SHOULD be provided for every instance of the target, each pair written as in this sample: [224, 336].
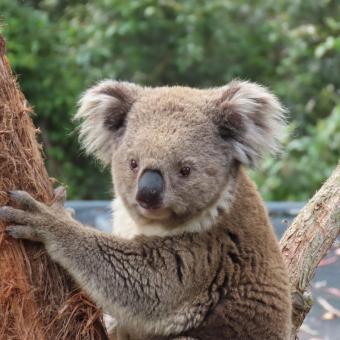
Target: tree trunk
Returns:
[38, 300]
[307, 241]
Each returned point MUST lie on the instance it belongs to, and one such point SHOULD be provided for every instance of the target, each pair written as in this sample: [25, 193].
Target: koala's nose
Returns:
[150, 189]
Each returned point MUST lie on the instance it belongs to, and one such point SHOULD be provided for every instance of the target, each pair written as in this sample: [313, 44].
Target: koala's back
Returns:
[240, 287]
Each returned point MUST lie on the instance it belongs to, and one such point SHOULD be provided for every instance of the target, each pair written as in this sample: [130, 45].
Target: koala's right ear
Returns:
[103, 111]
[250, 118]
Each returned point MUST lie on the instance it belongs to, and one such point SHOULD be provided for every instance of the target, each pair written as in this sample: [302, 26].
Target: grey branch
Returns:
[307, 241]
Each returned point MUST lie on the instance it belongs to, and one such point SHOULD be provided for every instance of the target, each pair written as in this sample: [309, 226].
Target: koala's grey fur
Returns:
[206, 265]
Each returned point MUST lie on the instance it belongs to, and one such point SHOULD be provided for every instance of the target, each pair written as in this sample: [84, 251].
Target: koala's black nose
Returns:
[150, 189]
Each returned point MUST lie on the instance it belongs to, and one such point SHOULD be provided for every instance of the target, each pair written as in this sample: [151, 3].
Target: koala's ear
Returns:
[250, 118]
[103, 110]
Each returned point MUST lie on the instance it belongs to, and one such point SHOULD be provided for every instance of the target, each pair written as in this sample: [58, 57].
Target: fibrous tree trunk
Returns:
[38, 300]
[307, 241]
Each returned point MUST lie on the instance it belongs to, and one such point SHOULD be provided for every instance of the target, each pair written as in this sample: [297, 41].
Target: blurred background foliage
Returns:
[60, 47]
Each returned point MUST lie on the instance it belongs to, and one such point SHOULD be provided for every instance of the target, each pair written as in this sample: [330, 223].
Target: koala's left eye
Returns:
[133, 164]
[185, 171]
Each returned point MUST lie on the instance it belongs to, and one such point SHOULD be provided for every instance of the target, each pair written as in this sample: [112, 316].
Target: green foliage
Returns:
[305, 162]
[58, 48]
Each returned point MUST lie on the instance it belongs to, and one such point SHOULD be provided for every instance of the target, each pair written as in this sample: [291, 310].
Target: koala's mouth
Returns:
[157, 212]
[146, 206]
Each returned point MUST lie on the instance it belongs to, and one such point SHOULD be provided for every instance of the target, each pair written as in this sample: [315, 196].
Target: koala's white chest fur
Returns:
[125, 227]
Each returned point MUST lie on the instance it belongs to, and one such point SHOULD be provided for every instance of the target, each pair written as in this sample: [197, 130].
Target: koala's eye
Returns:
[133, 164]
[185, 171]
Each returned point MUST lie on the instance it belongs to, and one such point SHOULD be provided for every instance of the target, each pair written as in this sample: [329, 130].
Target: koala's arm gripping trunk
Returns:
[118, 272]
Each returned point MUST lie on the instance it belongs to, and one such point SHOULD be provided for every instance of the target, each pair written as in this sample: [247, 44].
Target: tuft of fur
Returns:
[102, 111]
[252, 118]
[247, 114]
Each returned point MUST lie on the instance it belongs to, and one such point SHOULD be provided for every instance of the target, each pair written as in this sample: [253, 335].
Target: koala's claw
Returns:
[25, 200]
[60, 196]
[20, 231]
[12, 215]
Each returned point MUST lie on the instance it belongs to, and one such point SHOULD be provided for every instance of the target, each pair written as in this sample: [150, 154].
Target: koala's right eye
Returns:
[133, 164]
[185, 171]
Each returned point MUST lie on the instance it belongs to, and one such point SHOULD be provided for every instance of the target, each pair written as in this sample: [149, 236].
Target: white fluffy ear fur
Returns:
[251, 119]
[102, 111]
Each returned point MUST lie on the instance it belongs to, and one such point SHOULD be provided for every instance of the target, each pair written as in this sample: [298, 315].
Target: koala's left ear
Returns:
[103, 110]
[250, 118]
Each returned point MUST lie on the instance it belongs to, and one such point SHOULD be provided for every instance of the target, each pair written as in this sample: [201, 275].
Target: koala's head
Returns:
[173, 150]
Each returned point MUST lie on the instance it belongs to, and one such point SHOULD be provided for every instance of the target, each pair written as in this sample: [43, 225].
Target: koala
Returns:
[192, 254]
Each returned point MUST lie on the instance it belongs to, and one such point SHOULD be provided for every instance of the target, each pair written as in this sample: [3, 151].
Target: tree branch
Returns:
[307, 241]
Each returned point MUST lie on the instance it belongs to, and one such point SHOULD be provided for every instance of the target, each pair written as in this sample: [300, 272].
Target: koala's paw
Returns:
[20, 231]
[34, 220]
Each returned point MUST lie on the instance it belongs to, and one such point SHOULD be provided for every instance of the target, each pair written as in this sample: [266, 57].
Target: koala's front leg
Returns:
[85, 253]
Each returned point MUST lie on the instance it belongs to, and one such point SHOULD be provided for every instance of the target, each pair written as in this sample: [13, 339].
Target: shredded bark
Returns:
[38, 300]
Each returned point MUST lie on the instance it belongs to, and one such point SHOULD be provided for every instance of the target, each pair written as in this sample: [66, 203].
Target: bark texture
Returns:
[38, 300]
[307, 241]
